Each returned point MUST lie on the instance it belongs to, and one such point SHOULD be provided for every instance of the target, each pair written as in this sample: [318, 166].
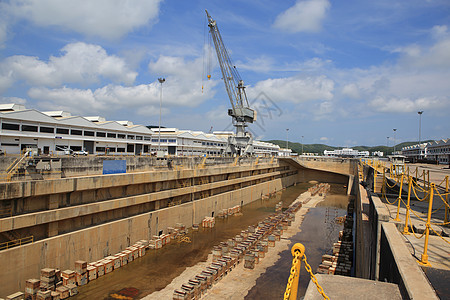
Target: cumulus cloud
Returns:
[296, 89]
[103, 18]
[351, 90]
[79, 63]
[406, 105]
[16, 100]
[181, 88]
[304, 16]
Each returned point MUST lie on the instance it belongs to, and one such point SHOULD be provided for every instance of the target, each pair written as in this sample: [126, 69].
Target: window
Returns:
[163, 140]
[147, 138]
[172, 141]
[99, 149]
[139, 137]
[130, 137]
[101, 134]
[112, 150]
[130, 148]
[76, 132]
[89, 133]
[47, 129]
[121, 136]
[29, 128]
[154, 140]
[9, 126]
[62, 130]
[120, 149]
[75, 148]
[111, 135]
[10, 144]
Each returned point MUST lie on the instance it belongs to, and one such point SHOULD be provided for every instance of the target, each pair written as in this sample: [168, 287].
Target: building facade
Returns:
[55, 131]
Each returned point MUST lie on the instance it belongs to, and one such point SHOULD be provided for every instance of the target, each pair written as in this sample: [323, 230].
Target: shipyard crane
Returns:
[242, 142]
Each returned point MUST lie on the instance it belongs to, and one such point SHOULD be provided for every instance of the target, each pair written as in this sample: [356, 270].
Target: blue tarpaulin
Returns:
[114, 166]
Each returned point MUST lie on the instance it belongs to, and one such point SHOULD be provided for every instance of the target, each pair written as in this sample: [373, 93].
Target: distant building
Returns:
[378, 153]
[439, 151]
[414, 153]
[346, 152]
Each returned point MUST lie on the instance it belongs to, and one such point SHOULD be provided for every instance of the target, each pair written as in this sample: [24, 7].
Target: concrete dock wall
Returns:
[90, 244]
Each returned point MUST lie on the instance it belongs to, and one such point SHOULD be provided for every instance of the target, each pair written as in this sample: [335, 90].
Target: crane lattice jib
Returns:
[233, 82]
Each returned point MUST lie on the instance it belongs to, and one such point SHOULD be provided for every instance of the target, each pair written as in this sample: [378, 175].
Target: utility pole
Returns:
[287, 138]
[161, 80]
[302, 144]
[420, 125]
[395, 141]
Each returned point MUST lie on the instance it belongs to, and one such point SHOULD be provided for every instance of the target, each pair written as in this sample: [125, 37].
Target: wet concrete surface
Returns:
[157, 269]
[318, 233]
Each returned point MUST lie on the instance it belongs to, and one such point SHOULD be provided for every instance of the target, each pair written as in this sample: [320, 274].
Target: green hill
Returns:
[319, 148]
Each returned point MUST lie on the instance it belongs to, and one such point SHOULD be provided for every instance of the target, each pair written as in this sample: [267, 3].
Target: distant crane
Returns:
[241, 113]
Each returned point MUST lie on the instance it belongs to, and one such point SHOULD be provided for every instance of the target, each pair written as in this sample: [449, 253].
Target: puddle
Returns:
[318, 233]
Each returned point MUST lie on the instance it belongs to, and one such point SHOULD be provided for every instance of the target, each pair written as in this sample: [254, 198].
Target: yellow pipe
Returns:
[446, 199]
[405, 229]
[424, 181]
[397, 219]
[424, 259]
[294, 287]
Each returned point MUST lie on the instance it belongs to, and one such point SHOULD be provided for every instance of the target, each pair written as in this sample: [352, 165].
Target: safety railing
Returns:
[17, 242]
[425, 192]
[298, 253]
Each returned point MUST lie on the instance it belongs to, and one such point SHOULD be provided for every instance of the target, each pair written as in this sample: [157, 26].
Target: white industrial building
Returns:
[49, 132]
[346, 152]
[438, 151]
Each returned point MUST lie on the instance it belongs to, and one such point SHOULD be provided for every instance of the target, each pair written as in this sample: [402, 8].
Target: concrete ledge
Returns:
[342, 287]
[65, 185]
[412, 278]
[43, 217]
[380, 208]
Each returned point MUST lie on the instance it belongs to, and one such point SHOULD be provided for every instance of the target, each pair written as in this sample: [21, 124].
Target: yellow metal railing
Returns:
[429, 191]
[298, 252]
[15, 243]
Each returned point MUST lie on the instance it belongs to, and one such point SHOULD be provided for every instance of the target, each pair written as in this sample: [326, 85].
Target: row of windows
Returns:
[44, 129]
[33, 128]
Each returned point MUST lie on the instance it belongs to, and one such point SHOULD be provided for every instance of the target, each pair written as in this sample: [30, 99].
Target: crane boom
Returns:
[234, 85]
[233, 81]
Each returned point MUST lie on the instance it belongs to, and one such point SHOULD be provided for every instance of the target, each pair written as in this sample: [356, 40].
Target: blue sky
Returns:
[343, 73]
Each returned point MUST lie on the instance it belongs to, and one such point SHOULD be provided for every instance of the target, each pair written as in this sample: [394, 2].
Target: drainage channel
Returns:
[158, 268]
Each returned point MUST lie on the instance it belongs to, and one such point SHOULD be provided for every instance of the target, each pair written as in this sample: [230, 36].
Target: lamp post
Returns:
[395, 141]
[420, 125]
[287, 138]
[302, 144]
[387, 141]
[161, 80]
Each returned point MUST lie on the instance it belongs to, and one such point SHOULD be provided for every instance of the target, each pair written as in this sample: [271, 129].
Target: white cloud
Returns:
[439, 31]
[80, 63]
[260, 64]
[295, 89]
[16, 100]
[182, 88]
[324, 139]
[104, 18]
[304, 16]
[406, 105]
[351, 90]
[3, 33]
